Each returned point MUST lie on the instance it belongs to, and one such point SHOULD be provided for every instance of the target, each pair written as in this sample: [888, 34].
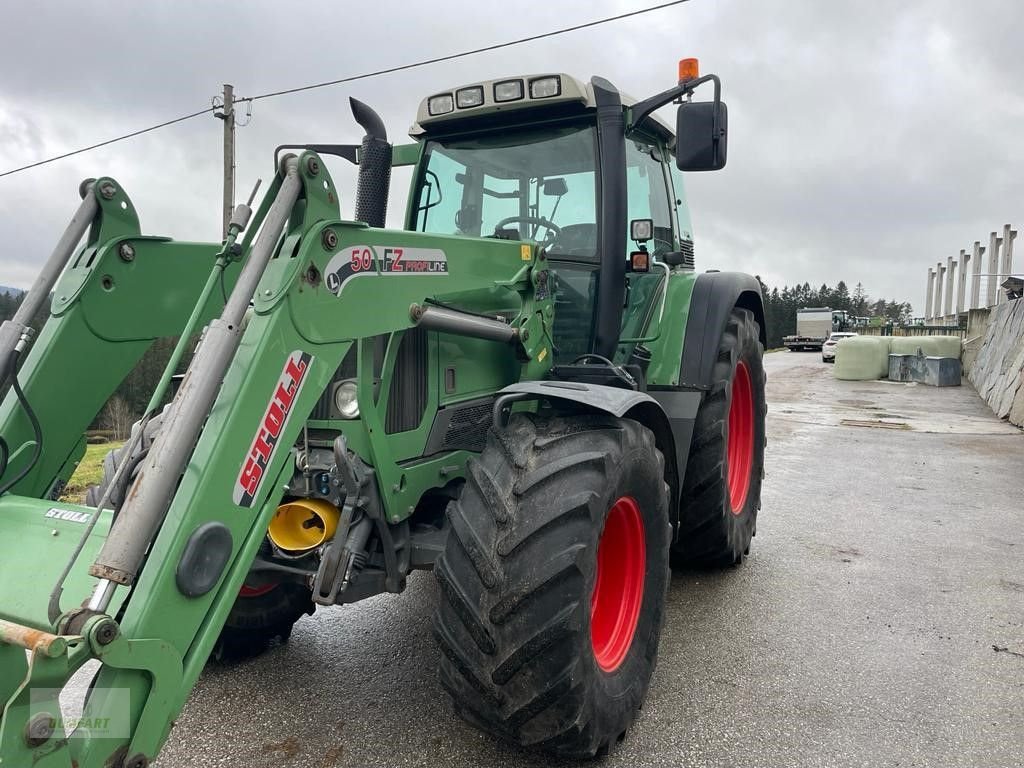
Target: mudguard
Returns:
[669, 415]
[714, 296]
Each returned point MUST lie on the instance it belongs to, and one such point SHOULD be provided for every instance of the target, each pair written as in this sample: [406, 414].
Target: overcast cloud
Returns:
[868, 140]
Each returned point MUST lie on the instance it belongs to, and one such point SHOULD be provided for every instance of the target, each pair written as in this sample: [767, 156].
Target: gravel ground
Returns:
[878, 621]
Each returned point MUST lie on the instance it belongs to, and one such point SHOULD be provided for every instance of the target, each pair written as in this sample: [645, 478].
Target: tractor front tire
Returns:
[553, 582]
[261, 618]
[722, 487]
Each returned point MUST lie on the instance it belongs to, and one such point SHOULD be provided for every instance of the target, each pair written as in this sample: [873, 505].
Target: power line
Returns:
[485, 49]
[353, 78]
[54, 159]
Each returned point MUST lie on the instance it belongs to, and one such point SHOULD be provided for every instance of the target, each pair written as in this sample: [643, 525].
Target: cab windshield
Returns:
[529, 184]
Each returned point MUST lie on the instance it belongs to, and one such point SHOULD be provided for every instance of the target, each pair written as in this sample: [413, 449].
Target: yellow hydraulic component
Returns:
[303, 524]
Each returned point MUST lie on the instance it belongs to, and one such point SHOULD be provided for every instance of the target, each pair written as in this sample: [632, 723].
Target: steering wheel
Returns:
[538, 221]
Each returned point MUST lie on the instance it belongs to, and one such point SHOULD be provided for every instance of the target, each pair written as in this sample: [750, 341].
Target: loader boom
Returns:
[225, 470]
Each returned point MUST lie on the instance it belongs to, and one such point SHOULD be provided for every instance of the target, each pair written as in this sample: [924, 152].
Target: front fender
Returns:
[715, 294]
[671, 429]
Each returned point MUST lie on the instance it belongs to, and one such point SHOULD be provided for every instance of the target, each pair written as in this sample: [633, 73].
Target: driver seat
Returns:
[507, 233]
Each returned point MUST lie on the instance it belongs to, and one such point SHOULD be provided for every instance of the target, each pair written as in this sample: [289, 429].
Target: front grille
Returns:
[408, 398]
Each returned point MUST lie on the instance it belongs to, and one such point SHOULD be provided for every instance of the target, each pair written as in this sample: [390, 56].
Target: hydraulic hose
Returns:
[12, 369]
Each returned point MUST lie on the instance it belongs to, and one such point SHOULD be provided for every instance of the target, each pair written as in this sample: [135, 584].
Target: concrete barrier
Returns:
[997, 370]
[933, 371]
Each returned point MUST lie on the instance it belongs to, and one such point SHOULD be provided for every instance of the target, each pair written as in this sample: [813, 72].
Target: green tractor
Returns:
[528, 390]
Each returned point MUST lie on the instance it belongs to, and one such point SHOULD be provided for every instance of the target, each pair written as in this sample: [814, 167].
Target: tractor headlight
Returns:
[508, 90]
[545, 87]
[441, 104]
[470, 97]
[346, 405]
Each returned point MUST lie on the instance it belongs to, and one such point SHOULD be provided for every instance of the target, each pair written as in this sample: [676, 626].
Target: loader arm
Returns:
[327, 285]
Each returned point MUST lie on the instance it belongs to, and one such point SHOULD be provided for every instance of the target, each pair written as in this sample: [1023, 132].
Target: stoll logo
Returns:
[279, 409]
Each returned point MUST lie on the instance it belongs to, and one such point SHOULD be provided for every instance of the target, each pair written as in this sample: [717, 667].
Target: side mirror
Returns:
[701, 135]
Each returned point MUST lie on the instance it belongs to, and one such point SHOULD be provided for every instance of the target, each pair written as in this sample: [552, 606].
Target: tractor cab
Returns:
[552, 160]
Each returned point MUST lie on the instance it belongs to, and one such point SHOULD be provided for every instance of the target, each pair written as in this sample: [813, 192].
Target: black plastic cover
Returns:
[202, 563]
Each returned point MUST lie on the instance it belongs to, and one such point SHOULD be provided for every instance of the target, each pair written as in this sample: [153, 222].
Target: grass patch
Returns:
[89, 472]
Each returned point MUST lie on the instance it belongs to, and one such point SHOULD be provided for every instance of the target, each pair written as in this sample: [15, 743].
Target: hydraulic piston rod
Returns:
[150, 497]
[462, 324]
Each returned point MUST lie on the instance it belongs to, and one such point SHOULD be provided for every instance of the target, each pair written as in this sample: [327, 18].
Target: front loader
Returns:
[528, 390]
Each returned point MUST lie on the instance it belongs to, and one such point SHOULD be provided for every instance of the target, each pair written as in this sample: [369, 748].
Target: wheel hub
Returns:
[740, 446]
[618, 584]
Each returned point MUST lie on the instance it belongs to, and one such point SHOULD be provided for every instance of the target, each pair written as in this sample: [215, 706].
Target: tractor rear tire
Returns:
[553, 582]
[722, 487]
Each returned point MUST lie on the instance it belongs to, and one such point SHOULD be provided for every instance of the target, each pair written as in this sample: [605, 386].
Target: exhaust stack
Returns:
[374, 179]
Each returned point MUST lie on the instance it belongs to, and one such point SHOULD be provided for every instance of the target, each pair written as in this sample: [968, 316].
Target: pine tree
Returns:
[842, 296]
[859, 305]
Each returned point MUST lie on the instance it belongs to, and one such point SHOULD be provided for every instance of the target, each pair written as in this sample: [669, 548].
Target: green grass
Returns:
[89, 472]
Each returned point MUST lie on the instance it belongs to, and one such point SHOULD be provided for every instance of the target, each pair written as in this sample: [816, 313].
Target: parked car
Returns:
[828, 349]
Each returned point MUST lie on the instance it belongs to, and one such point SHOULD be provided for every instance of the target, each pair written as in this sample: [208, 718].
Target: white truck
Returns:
[813, 326]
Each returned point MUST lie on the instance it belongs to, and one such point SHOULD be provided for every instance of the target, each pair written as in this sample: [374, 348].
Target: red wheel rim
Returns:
[247, 591]
[740, 448]
[618, 584]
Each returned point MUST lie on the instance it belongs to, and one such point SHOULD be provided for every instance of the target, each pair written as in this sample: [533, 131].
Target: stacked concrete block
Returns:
[997, 372]
[933, 371]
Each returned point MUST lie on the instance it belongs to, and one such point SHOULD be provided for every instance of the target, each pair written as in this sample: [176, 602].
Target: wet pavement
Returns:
[879, 620]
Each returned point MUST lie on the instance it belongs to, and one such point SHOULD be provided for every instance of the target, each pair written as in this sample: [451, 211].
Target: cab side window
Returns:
[441, 195]
[648, 193]
[682, 209]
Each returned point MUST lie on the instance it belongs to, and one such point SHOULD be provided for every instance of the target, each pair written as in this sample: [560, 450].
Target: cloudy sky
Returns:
[869, 138]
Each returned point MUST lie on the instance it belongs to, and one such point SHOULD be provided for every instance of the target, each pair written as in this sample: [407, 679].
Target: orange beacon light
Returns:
[688, 70]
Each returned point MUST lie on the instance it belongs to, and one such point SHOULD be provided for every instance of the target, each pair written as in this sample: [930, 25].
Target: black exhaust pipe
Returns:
[374, 179]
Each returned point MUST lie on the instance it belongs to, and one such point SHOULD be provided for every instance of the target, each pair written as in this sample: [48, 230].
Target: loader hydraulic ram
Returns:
[505, 391]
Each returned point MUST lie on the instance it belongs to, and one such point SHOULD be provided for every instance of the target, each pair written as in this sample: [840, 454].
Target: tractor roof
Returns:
[444, 110]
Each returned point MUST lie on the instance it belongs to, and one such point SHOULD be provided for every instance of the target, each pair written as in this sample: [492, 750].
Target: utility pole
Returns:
[228, 116]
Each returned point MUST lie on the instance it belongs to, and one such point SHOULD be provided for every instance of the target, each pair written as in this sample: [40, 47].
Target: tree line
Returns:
[780, 306]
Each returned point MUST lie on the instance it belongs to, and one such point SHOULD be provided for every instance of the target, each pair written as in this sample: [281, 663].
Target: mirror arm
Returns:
[643, 109]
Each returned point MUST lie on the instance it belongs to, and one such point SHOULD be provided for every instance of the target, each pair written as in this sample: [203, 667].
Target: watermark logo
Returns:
[106, 715]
